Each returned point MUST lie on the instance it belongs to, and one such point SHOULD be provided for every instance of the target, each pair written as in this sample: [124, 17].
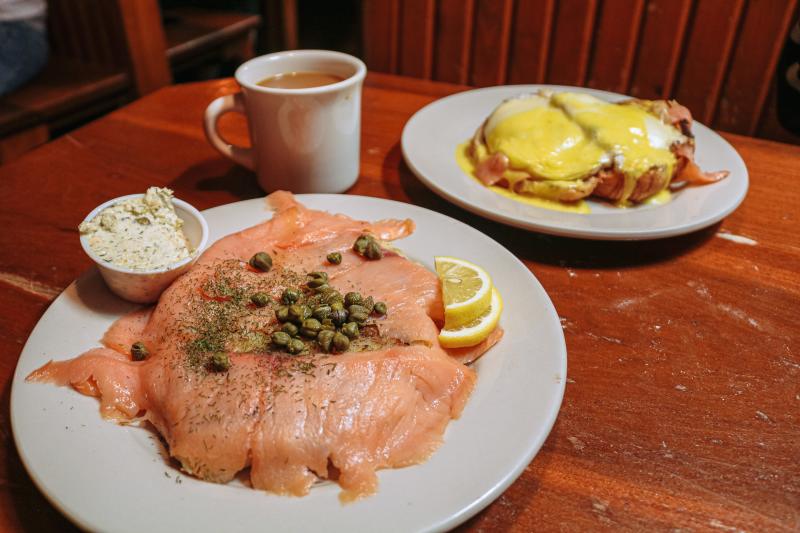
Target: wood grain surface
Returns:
[718, 57]
[682, 405]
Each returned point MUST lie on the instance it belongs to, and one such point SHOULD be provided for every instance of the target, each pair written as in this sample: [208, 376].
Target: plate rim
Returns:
[554, 229]
[447, 522]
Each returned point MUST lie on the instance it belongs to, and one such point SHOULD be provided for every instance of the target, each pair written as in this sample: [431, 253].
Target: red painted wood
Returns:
[453, 40]
[416, 38]
[659, 51]
[571, 42]
[752, 70]
[530, 44]
[616, 34]
[706, 56]
[380, 21]
[490, 42]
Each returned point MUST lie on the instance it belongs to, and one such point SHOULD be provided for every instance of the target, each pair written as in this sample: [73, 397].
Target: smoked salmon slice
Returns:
[290, 420]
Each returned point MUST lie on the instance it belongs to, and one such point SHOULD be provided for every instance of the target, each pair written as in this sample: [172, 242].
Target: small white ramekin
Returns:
[145, 286]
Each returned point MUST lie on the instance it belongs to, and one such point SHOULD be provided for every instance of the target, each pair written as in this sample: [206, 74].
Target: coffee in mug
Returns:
[300, 80]
[305, 134]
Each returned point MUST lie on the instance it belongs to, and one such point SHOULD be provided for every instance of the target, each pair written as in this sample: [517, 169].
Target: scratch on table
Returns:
[74, 141]
[711, 494]
[763, 416]
[36, 288]
[600, 508]
[719, 525]
[699, 288]
[788, 363]
[740, 314]
[626, 302]
[739, 239]
[667, 451]
[508, 505]
[577, 443]
[572, 273]
[680, 387]
[604, 338]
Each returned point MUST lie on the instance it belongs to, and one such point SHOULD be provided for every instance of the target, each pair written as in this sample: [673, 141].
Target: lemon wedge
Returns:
[466, 290]
[475, 331]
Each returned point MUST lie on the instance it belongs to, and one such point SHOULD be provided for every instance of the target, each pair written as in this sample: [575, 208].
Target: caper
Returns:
[328, 324]
[318, 275]
[321, 292]
[139, 351]
[281, 338]
[321, 312]
[322, 289]
[290, 329]
[282, 314]
[295, 346]
[373, 250]
[379, 309]
[350, 329]
[340, 342]
[359, 317]
[313, 300]
[261, 261]
[325, 338]
[310, 327]
[338, 317]
[368, 303]
[360, 246]
[316, 283]
[334, 258]
[333, 296]
[352, 298]
[259, 299]
[357, 309]
[299, 312]
[144, 221]
[220, 362]
[290, 296]
[338, 305]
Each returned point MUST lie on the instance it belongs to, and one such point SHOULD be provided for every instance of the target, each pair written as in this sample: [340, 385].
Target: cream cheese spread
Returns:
[139, 233]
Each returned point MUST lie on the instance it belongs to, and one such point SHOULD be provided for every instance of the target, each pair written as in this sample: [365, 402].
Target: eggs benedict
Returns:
[567, 146]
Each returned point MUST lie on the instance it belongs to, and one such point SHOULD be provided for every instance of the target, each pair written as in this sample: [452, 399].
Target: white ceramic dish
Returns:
[145, 286]
[114, 478]
[431, 136]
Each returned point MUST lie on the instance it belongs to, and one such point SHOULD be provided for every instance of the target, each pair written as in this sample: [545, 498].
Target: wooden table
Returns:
[682, 406]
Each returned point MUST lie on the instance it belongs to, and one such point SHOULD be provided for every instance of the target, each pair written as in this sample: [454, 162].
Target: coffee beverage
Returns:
[303, 110]
[300, 80]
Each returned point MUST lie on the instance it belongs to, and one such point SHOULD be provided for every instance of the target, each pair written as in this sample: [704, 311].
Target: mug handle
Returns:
[217, 108]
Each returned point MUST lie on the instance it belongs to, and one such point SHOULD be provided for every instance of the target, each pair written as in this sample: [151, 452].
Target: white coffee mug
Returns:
[303, 140]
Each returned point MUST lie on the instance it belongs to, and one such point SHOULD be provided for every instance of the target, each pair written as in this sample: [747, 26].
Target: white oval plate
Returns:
[429, 144]
[108, 477]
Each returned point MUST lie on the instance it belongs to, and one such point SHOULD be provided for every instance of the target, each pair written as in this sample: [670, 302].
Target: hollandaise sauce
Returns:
[542, 140]
[466, 164]
[638, 141]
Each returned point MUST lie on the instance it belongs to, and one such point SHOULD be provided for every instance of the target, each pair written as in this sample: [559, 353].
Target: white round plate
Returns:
[431, 136]
[108, 477]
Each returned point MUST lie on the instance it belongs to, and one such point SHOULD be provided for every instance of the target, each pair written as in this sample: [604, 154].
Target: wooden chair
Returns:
[717, 57]
[103, 53]
[199, 39]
